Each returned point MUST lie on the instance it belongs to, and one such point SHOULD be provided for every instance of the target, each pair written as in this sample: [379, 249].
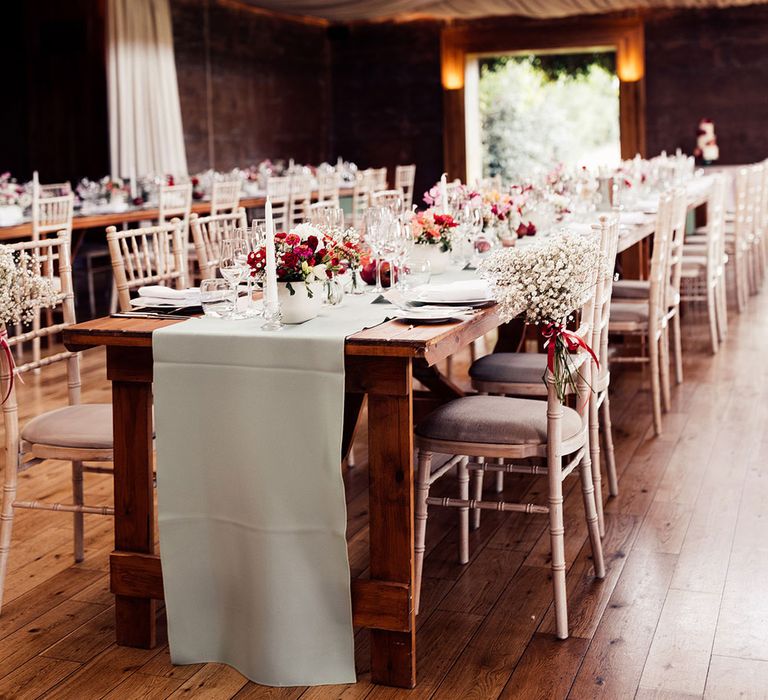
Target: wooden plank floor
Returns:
[681, 613]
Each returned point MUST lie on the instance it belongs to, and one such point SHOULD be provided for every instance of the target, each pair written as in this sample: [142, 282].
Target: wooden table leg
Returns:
[390, 440]
[135, 624]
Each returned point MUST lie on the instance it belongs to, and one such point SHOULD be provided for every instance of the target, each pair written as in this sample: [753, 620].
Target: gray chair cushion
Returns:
[628, 311]
[496, 420]
[510, 367]
[631, 289]
[87, 426]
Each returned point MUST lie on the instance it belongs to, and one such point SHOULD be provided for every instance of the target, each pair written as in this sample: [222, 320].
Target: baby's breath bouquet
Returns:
[547, 281]
[22, 289]
[22, 292]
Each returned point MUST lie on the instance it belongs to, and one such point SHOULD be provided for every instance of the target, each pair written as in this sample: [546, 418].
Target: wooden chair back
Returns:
[715, 229]
[328, 187]
[207, 234]
[49, 258]
[300, 199]
[279, 193]
[176, 203]
[608, 229]
[225, 197]
[741, 220]
[393, 199]
[405, 175]
[660, 264]
[143, 256]
[52, 214]
[360, 200]
[679, 222]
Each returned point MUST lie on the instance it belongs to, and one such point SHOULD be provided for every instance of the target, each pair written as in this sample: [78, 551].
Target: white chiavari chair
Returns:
[703, 272]
[520, 374]
[175, 202]
[328, 188]
[360, 200]
[77, 433]
[405, 176]
[299, 200]
[279, 193]
[225, 197]
[51, 213]
[143, 256]
[646, 317]
[207, 234]
[754, 214]
[513, 435]
[392, 199]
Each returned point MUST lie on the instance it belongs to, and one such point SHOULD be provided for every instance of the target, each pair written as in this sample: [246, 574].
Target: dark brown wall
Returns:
[54, 115]
[708, 63]
[269, 90]
[387, 97]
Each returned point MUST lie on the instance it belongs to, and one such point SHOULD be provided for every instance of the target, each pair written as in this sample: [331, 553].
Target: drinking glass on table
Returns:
[217, 298]
[233, 263]
[372, 219]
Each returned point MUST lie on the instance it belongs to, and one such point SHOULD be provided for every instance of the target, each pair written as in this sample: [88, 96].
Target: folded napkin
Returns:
[464, 290]
[579, 227]
[633, 218]
[650, 204]
[158, 292]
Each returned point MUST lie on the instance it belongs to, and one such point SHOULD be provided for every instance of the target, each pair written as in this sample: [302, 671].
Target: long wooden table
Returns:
[132, 215]
[381, 363]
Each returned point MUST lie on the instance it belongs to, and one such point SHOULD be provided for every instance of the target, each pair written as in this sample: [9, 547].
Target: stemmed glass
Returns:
[374, 224]
[400, 237]
[232, 264]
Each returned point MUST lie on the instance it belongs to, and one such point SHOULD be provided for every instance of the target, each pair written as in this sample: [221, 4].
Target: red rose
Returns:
[312, 242]
[290, 259]
[280, 236]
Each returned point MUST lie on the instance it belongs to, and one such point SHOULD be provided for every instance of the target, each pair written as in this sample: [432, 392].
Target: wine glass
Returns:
[372, 219]
[400, 237]
[233, 263]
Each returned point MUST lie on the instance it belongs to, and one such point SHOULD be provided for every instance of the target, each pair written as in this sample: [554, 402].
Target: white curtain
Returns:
[350, 10]
[145, 131]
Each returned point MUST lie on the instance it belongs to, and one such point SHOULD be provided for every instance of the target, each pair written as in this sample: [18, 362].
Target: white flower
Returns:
[22, 289]
[319, 271]
[306, 230]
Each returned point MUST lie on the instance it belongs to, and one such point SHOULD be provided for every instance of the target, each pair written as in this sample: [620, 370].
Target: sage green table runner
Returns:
[251, 499]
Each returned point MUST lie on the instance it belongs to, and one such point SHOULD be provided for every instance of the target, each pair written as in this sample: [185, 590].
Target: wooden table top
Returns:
[132, 215]
[431, 342]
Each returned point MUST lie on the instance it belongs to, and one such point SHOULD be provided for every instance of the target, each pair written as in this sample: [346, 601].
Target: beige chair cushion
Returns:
[636, 289]
[497, 420]
[693, 265]
[87, 426]
[510, 368]
[622, 312]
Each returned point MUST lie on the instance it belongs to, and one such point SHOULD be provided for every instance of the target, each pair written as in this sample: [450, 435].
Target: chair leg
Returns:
[77, 518]
[722, 309]
[664, 369]
[590, 510]
[557, 543]
[6, 520]
[463, 478]
[677, 348]
[653, 354]
[712, 317]
[478, 476]
[420, 516]
[594, 456]
[610, 456]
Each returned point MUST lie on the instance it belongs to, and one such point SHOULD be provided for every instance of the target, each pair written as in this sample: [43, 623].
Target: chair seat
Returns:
[510, 368]
[623, 312]
[637, 290]
[496, 420]
[693, 265]
[86, 426]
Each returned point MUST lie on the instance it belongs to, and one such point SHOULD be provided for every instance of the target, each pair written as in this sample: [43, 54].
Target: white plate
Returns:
[142, 302]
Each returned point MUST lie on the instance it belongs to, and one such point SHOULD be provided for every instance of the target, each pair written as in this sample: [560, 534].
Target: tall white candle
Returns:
[444, 192]
[133, 182]
[270, 285]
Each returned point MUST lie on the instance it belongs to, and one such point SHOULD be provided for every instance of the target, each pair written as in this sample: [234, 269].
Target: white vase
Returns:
[438, 259]
[299, 306]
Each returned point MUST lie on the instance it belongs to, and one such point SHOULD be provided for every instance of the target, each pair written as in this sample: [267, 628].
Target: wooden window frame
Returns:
[459, 41]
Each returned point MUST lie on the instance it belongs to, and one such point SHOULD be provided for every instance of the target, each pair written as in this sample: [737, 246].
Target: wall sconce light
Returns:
[452, 65]
[630, 57]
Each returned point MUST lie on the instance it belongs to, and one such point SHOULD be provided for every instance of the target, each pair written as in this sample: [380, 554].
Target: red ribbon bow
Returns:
[6, 348]
[553, 331]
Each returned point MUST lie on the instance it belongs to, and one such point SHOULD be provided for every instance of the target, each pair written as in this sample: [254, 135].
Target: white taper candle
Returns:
[270, 286]
[444, 193]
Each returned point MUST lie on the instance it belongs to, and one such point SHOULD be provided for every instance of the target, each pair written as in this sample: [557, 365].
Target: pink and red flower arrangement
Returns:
[430, 228]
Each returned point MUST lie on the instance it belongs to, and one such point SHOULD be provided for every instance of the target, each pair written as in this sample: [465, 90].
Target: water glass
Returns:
[217, 298]
[415, 273]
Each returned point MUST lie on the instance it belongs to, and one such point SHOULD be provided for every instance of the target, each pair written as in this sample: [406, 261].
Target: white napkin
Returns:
[158, 292]
[650, 204]
[633, 218]
[464, 290]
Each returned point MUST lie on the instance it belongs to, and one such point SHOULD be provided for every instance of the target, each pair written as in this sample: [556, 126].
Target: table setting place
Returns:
[260, 352]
